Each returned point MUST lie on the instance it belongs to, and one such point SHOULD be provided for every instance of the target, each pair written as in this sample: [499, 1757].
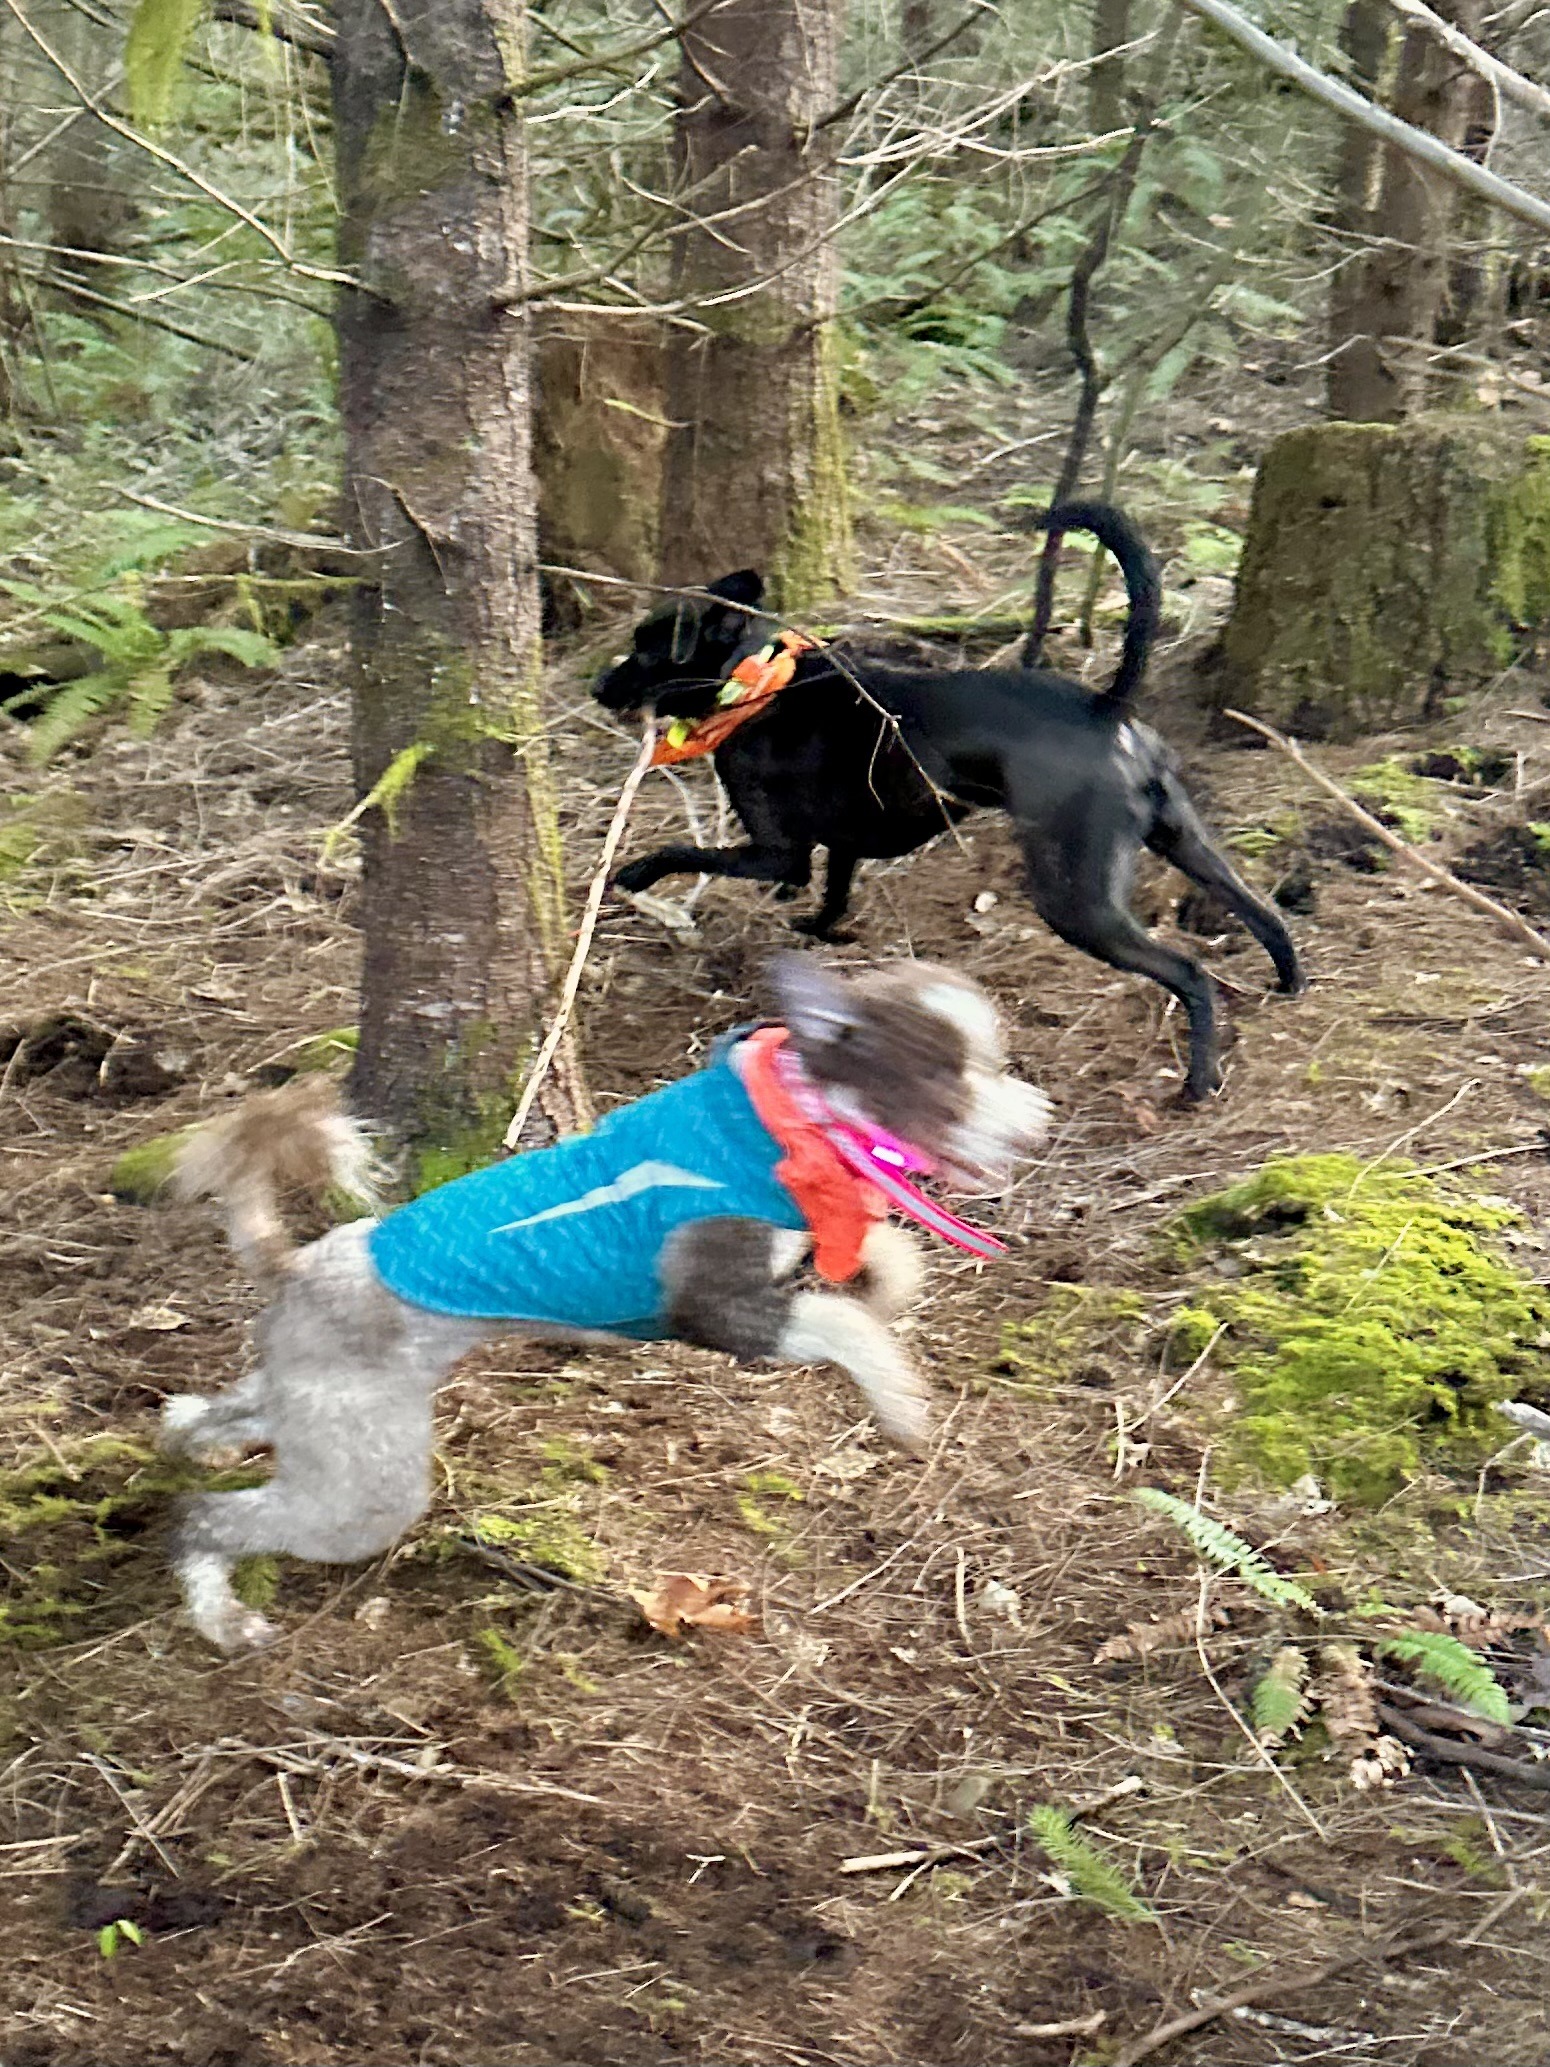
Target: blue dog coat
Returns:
[571, 1234]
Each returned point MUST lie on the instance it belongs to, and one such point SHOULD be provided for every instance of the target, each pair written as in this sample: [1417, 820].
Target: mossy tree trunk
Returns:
[1387, 568]
[600, 428]
[1385, 306]
[462, 904]
[755, 472]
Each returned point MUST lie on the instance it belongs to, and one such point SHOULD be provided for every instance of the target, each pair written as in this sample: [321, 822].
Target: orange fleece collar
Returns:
[840, 1207]
[743, 695]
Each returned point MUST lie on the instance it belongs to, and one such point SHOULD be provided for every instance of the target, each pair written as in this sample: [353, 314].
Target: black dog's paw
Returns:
[636, 875]
[816, 929]
[784, 892]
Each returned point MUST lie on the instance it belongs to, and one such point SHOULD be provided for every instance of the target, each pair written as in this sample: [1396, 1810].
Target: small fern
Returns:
[1216, 1544]
[139, 664]
[1459, 1671]
[1280, 1699]
[1093, 1878]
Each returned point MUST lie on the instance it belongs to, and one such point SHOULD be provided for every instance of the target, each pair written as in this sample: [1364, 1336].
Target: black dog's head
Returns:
[682, 653]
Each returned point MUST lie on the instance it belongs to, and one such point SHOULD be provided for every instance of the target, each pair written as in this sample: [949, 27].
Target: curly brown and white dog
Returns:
[688, 1214]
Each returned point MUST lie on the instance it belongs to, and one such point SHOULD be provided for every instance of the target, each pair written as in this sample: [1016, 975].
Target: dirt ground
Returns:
[462, 1812]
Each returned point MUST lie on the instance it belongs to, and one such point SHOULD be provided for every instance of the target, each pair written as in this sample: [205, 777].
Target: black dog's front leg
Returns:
[727, 1287]
[790, 865]
[836, 897]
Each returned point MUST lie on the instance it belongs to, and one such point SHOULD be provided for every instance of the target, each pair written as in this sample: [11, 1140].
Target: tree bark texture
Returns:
[462, 905]
[755, 468]
[599, 431]
[1387, 567]
[1385, 305]
[1106, 80]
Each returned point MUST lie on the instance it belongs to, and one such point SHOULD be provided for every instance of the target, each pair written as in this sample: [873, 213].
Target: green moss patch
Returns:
[1397, 794]
[1071, 1339]
[1372, 1320]
[74, 1522]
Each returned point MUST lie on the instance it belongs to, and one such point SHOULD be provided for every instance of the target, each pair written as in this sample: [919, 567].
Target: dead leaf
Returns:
[157, 1320]
[690, 1600]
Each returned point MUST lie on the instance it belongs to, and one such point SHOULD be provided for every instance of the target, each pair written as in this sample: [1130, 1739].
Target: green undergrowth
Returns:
[1077, 1336]
[1411, 803]
[1371, 1321]
[74, 1522]
[532, 1524]
[1361, 1320]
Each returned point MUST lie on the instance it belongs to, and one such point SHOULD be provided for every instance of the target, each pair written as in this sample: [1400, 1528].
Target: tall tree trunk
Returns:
[92, 174]
[1106, 80]
[462, 906]
[1386, 305]
[755, 468]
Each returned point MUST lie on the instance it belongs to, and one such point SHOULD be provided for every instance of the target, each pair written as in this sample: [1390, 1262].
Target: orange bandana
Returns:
[839, 1207]
[743, 695]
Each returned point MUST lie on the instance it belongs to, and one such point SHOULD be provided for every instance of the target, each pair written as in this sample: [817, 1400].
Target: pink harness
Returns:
[886, 1161]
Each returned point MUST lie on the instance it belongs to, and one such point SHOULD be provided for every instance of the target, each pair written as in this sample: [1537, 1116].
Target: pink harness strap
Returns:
[888, 1162]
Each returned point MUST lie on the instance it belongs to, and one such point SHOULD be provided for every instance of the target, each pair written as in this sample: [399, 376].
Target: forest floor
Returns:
[460, 1813]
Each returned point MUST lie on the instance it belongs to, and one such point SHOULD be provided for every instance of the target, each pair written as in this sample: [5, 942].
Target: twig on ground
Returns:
[1511, 921]
[578, 960]
[1304, 1978]
[1069, 2027]
[1527, 1772]
[928, 1855]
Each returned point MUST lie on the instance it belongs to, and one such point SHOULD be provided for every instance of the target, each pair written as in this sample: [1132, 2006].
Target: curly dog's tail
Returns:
[295, 1139]
[1113, 529]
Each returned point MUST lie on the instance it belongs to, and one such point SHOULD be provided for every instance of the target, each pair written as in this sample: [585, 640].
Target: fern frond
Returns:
[150, 692]
[252, 649]
[71, 711]
[1093, 1877]
[1216, 1544]
[1462, 1673]
[1343, 1690]
[1280, 1699]
[1142, 1638]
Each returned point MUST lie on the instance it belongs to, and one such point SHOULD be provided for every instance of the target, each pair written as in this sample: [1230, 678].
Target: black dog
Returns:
[871, 760]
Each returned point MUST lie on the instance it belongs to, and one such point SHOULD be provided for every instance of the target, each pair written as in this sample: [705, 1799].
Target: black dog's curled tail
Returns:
[1114, 530]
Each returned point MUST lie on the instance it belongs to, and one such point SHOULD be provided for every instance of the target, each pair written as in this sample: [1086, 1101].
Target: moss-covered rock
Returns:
[1371, 1322]
[1387, 567]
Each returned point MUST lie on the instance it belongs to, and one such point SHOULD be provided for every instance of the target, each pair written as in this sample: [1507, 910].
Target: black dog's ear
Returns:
[746, 587]
[816, 1004]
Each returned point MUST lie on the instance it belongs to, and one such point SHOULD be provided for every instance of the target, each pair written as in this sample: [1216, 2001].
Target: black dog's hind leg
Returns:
[727, 1286]
[1081, 898]
[787, 865]
[838, 877]
[1180, 837]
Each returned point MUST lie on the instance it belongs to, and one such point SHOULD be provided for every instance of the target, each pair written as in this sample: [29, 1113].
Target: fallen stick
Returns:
[1069, 2027]
[1527, 1772]
[1511, 921]
[925, 1855]
[578, 960]
[1397, 1947]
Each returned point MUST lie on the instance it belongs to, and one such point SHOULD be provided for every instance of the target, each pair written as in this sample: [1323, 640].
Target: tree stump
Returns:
[599, 432]
[1386, 568]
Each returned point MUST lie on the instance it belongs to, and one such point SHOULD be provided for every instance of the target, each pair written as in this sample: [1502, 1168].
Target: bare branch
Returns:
[170, 159]
[610, 60]
[1356, 108]
[287, 24]
[1509, 84]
